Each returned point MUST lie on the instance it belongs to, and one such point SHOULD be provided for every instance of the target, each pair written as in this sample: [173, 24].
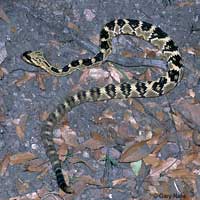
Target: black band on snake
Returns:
[158, 87]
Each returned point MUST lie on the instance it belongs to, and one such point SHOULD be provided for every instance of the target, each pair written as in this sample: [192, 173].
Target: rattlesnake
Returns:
[158, 87]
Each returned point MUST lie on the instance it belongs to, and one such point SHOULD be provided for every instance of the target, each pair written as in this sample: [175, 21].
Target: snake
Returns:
[129, 89]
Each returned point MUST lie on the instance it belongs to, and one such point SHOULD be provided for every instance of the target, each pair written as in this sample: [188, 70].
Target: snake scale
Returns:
[158, 87]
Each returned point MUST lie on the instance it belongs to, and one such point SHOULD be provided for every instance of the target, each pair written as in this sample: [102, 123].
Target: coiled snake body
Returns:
[155, 88]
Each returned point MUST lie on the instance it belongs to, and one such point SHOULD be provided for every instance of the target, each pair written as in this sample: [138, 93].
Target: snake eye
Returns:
[26, 57]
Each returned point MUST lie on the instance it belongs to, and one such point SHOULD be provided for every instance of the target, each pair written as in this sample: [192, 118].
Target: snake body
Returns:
[158, 87]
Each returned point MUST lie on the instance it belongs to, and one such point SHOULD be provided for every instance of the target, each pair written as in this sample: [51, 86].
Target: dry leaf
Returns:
[96, 142]
[73, 26]
[40, 80]
[127, 54]
[191, 111]
[36, 165]
[129, 118]
[4, 16]
[147, 75]
[1, 73]
[69, 136]
[95, 39]
[137, 105]
[89, 14]
[98, 74]
[194, 51]
[160, 115]
[26, 77]
[188, 158]
[186, 3]
[4, 164]
[44, 115]
[135, 152]
[151, 159]
[114, 73]
[181, 173]
[191, 93]
[58, 141]
[13, 29]
[2, 117]
[84, 76]
[155, 136]
[21, 186]
[54, 43]
[21, 125]
[105, 121]
[74, 160]
[106, 118]
[165, 165]
[119, 181]
[179, 123]
[150, 53]
[20, 158]
[83, 181]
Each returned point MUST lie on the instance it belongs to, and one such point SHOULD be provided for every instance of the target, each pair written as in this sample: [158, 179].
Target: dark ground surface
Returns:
[58, 28]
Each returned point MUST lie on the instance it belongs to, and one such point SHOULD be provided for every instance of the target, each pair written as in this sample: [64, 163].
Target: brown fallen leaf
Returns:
[13, 29]
[148, 75]
[188, 158]
[98, 74]
[20, 124]
[191, 111]
[54, 43]
[106, 118]
[193, 50]
[83, 181]
[152, 160]
[30, 196]
[155, 139]
[2, 117]
[44, 115]
[179, 123]
[127, 54]
[36, 165]
[164, 166]
[83, 78]
[95, 39]
[137, 105]
[4, 164]
[119, 181]
[128, 117]
[135, 152]
[186, 3]
[25, 78]
[114, 73]
[20, 158]
[74, 160]
[69, 136]
[181, 173]
[150, 53]
[40, 79]
[95, 142]
[3, 71]
[3, 16]
[21, 186]
[73, 26]
[160, 115]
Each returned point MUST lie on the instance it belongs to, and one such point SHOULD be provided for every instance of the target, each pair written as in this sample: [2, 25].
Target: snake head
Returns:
[34, 58]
